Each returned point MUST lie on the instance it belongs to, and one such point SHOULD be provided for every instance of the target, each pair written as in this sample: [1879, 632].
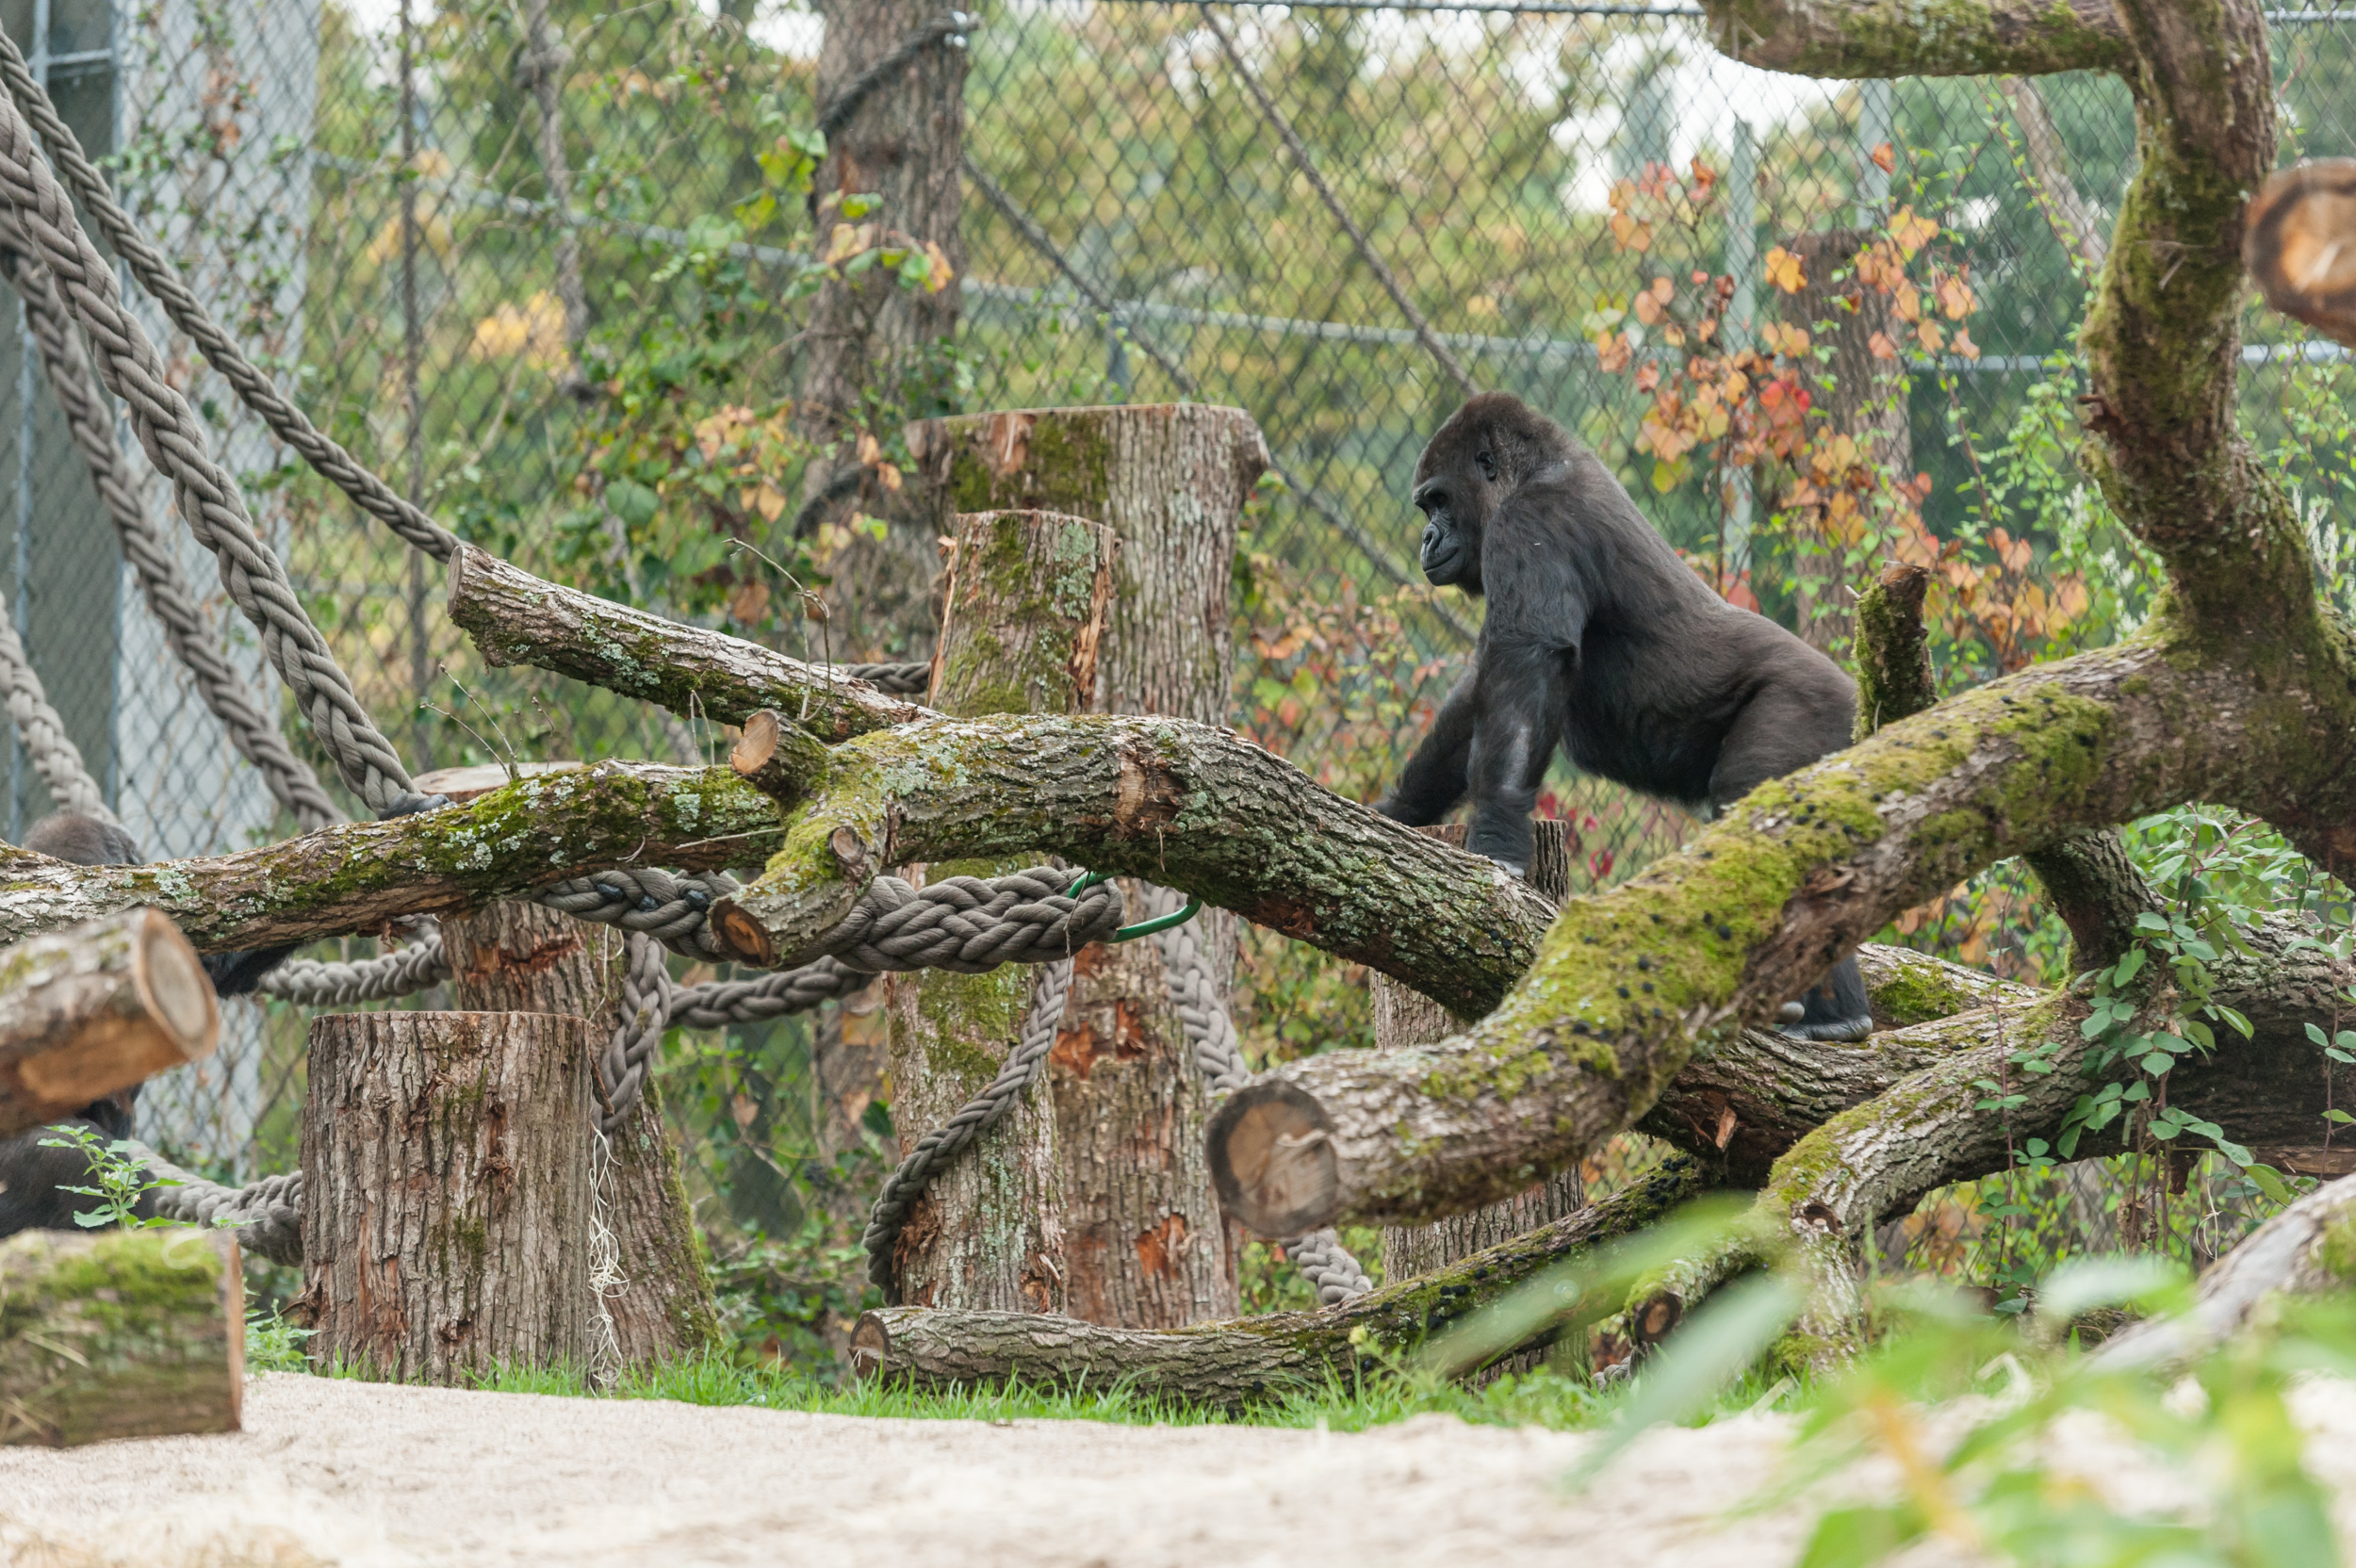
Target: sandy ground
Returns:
[363, 1474]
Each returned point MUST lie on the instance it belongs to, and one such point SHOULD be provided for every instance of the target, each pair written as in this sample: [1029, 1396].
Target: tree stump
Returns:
[528, 959]
[1145, 1243]
[1022, 623]
[446, 1193]
[1402, 1018]
[122, 1334]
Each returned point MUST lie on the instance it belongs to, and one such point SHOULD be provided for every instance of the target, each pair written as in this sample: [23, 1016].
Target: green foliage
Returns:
[272, 1344]
[119, 1176]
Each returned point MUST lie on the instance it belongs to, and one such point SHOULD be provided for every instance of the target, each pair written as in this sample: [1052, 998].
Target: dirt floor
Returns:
[362, 1474]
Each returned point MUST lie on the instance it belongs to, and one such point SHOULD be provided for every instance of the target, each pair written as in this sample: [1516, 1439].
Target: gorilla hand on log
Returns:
[1599, 638]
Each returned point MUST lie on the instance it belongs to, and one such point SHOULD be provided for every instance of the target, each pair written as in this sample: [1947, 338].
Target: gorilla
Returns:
[1600, 639]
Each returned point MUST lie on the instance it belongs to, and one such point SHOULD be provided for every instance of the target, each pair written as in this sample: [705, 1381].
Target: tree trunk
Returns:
[95, 1008]
[871, 339]
[446, 1193]
[1022, 624]
[1867, 399]
[526, 959]
[1236, 1362]
[1404, 1018]
[1145, 1242]
[124, 1334]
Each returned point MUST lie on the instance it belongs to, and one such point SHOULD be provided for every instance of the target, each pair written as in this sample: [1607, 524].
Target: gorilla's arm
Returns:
[1435, 780]
[1517, 724]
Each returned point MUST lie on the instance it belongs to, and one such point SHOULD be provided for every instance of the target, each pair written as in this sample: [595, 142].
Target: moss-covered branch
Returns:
[1848, 39]
[1717, 936]
[1186, 805]
[356, 876]
[516, 618]
[1236, 1362]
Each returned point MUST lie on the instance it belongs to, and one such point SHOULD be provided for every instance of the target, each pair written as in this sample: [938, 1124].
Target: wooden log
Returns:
[446, 1193]
[528, 959]
[95, 1008]
[1403, 1017]
[120, 1333]
[1145, 1244]
[2298, 240]
[1023, 617]
[1236, 1362]
[776, 757]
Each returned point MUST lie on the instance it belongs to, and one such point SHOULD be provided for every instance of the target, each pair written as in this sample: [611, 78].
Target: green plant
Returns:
[121, 1176]
[272, 1344]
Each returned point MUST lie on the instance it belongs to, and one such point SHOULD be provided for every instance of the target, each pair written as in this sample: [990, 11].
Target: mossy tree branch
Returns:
[1850, 40]
[356, 876]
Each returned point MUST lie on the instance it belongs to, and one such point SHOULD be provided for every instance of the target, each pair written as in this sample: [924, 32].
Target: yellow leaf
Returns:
[870, 450]
[1784, 270]
[1954, 297]
[938, 277]
[1912, 231]
[1932, 339]
[889, 475]
[769, 501]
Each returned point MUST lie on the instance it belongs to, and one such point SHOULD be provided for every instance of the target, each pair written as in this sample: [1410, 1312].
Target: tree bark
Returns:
[95, 1008]
[1021, 624]
[1404, 1018]
[516, 618]
[1867, 401]
[1236, 1362]
[446, 1193]
[527, 959]
[1145, 1243]
[1852, 40]
[873, 341]
[122, 1334]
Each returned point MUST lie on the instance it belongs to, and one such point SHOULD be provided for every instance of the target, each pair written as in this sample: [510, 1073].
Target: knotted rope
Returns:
[157, 276]
[208, 498]
[907, 680]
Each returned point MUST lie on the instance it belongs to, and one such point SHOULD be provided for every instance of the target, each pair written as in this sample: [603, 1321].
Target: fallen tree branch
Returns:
[95, 1008]
[516, 618]
[1184, 805]
[1236, 1362]
[2304, 1250]
[1852, 40]
[356, 876]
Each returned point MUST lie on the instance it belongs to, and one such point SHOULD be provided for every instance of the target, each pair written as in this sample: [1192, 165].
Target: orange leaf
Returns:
[1932, 339]
[1648, 376]
[1954, 297]
[1885, 157]
[1964, 345]
[1784, 270]
[1912, 231]
[1883, 347]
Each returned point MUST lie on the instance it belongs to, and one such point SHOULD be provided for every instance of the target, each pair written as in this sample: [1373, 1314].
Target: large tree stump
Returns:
[122, 1334]
[1403, 1017]
[528, 959]
[2298, 240]
[446, 1192]
[1146, 1246]
[95, 1008]
[1022, 623]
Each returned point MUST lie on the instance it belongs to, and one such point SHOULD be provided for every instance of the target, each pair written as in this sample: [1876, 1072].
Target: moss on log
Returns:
[1236, 1362]
[1852, 40]
[352, 877]
[124, 1334]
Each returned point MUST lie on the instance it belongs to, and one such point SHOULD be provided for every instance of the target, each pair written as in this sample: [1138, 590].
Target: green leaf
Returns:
[860, 204]
[1732, 1329]
[2337, 1116]
[2128, 967]
[2149, 921]
[2268, 1181]
[1858, 1536]
[2157, 1063]
[2315, 1032]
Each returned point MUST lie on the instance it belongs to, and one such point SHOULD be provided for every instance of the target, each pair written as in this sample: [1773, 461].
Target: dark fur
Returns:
[1600, 639]
[32, 1177]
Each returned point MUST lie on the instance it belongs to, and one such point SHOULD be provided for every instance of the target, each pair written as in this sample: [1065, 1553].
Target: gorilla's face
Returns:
[1487, 449]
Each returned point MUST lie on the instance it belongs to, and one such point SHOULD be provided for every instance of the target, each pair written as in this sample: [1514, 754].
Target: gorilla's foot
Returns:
[1794, 1011]
[1848, 1029]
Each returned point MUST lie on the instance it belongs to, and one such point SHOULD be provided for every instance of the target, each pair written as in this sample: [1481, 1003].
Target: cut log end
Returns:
[1273, 1160]
[745, 938]
[96, 1009]
[2298, 240]
[871, 1347]
[179, 996]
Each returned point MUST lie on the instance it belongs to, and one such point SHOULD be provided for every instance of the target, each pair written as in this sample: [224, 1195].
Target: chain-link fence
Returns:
[582, 349]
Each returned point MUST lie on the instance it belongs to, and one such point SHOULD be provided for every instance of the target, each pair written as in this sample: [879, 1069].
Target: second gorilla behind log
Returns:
[1599, 638]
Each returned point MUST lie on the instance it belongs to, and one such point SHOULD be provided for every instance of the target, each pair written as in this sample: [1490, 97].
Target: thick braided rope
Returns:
[719, 1003]
[639, 1023]
[187, 629]
[1320, 1256]
[936, 1150]
[268, 1213]
[308, 983]
[47, 746]
[906, 680]
[157, 276]
[207, 497]
[672, 908]
[844, 103]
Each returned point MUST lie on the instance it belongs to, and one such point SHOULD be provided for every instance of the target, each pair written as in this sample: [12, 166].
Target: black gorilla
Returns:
[1599, 638]
[32, 1178]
